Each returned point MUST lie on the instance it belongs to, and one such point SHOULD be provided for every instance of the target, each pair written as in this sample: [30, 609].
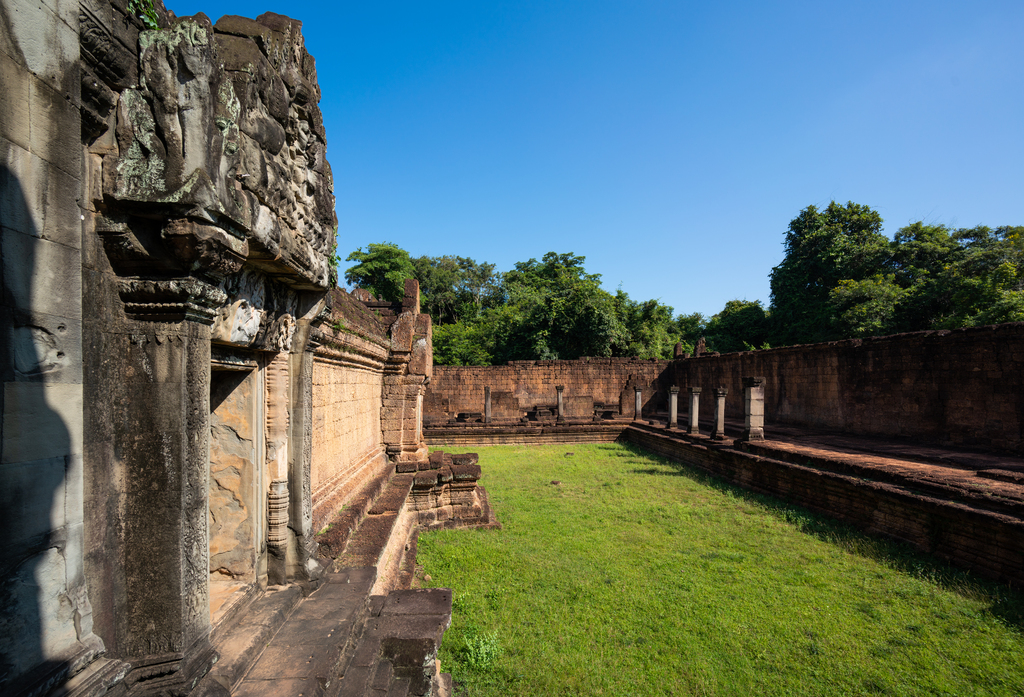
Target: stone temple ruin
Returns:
[215, 465]
[186, 401]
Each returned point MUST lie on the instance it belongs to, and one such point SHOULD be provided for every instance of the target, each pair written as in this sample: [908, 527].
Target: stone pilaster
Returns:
[487, 404]
[638, 403]
[560, 389]
[277, 429]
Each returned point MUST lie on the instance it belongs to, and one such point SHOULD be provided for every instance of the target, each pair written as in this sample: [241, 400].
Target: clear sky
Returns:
[670, 143]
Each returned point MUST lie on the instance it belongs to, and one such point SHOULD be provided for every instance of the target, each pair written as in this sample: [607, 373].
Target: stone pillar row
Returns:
[753, 409]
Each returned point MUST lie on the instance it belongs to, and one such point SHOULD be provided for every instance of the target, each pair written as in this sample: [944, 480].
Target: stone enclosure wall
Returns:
[962, 388]
[522, 386]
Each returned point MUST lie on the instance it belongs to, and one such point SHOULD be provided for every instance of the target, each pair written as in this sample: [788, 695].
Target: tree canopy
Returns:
[381, 269]
[840, 277]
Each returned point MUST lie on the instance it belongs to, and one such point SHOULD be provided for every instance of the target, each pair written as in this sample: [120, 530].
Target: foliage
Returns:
[822, 248]
[454, 289]
[740, 326]
[381, 269]
[144, 10]
[691, 328]
[559, 311]
[463, 343]
[841, 278]
[647, 329]
[479, 651]
[637, 576]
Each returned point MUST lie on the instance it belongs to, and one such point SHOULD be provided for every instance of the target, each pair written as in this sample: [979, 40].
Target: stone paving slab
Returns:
[278, 662]
[280, 688]
[314, 632]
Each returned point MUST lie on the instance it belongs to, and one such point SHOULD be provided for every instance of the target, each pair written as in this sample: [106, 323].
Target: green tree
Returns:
[936, 278]
[469, 342]
[741, 325]
[456, 288]
[439, 279]
[867, 307]
[554, 309]
[382, 270]
[690, 328]
[647, 328]
[822, 249]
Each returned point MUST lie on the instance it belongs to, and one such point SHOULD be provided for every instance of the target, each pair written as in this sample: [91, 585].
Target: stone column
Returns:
[639, 404]
[278, 392]
[753, 408]
[694, 411]
[487, 404]
[718, 431]
[561, 403]
[300, 440]
[673, 406]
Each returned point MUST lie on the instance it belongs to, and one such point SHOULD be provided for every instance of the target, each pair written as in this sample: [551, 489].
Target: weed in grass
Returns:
[480, 650]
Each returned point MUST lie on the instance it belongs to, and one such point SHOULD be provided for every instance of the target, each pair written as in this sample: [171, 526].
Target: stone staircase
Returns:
[360, 630]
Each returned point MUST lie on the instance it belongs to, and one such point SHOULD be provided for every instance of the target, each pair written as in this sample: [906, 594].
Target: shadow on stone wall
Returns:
[33, 572]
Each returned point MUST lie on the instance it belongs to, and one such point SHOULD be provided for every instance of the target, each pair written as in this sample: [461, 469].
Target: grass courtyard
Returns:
[637, 576]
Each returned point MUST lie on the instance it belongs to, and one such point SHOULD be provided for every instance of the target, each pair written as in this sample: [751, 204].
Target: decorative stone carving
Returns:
[173, 300]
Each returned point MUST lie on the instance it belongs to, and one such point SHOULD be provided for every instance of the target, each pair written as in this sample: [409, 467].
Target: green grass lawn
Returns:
[638, 576]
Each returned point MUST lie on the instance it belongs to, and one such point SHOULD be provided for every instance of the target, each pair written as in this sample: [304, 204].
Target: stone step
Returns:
[240, 645]
[396, 653]
[305, 655]
[366, 545]
[333, 539]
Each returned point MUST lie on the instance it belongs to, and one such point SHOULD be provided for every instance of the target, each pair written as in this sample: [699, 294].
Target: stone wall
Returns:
[348, 382]
[45, 608]
[521, 386]
[961, 388]
[167, 216]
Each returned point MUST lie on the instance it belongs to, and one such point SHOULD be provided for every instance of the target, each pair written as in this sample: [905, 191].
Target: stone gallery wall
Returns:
[348, 383]
[45, 611]
[963, 387]
[167, 217]
[525, 385]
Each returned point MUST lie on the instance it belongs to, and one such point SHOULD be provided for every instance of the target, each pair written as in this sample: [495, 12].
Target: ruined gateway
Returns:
[186, 403]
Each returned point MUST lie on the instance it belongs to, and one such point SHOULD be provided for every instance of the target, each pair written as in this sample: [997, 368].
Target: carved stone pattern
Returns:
[103, 52]
[170, 300]
[307, 442]
[277, 513]
[197, 486]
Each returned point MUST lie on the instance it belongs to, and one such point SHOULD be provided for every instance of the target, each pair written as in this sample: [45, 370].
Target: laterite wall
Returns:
[961, 387]
[523, 385]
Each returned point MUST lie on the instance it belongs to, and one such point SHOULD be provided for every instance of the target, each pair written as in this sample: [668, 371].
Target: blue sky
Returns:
[670, 143]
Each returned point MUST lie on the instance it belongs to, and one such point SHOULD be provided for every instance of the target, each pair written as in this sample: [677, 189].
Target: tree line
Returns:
[840, 278]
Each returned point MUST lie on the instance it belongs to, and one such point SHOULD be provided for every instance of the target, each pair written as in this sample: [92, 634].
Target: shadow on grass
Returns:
[1005, 602]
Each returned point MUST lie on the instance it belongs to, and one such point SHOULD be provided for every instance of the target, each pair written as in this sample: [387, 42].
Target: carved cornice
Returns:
[214, 250]
[170, 300]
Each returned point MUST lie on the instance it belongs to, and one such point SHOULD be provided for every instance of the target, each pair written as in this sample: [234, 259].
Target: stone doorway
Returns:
[237, 499]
